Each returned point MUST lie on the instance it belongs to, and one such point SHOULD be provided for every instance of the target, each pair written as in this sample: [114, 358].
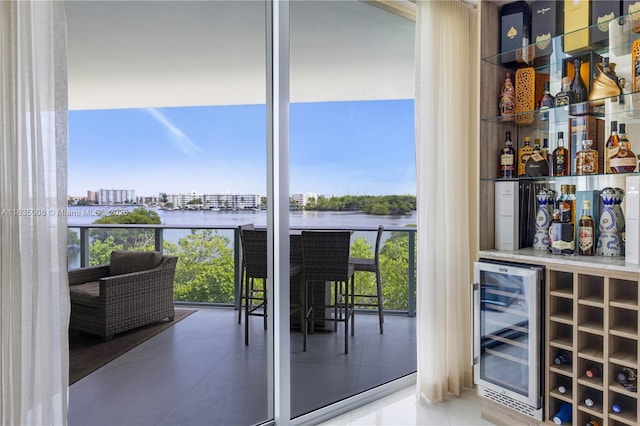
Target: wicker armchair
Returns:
[135, 289]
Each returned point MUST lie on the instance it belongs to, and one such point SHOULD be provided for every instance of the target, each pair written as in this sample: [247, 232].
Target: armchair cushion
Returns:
[86, 294]
[125, 262]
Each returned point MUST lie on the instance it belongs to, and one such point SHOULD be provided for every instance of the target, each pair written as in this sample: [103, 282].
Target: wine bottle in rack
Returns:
[593, 372]
[616, 408]
[590, 401]
[593, 422]
[563, 415]
[562, 389]
[627, 377]
[562, 358]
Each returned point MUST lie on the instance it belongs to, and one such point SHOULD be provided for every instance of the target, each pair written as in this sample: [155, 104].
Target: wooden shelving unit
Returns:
[592, 306]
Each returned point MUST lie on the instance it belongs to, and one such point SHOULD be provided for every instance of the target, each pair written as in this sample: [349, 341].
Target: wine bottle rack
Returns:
[593, 317]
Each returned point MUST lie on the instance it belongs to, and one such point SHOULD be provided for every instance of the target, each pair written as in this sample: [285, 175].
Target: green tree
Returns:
[205, 270]
[194, 202]
[72, 237]
[100, 251]
[394, 263]
[129, 239]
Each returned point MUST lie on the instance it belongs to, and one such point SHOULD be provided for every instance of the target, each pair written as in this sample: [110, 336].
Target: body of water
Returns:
[86, 215]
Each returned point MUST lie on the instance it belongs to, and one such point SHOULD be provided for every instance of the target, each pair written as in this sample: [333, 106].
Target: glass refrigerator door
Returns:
[508, 332]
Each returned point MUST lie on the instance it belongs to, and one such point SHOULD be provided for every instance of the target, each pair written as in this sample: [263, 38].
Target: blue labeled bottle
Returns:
[564, 415]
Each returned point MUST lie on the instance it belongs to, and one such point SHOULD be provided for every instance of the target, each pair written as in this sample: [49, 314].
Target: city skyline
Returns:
[336, 148]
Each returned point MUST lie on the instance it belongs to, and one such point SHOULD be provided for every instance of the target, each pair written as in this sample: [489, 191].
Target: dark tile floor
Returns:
[199, 372]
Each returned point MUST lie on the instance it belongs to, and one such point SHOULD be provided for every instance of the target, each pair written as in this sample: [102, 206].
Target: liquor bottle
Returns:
[623, 160]
[577, 85]
[555, 218]
[561, 158]
[524, 154]
[587, 159]
[537, 164]
[507, 101]
[565, 96]
[507, 159]
[593, 372]
[567, 203]
[611, 146]
[546, 101]
[563, 415]
[562, 358]
[586, 233]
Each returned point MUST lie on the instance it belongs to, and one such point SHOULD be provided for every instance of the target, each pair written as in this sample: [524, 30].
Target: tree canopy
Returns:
[379, 205]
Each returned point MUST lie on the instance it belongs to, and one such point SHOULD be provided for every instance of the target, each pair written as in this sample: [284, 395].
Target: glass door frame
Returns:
[277, 99]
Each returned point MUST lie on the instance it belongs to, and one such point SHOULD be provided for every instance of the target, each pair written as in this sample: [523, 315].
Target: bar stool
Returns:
[371, 265]
[326, 259]
[254, 254]
[242, 267]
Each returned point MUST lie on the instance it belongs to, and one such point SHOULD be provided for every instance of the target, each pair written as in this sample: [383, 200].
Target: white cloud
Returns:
[179, 139]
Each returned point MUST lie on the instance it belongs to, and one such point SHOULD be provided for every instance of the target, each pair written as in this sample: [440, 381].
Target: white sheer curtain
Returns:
[446, 125]
[34, 305]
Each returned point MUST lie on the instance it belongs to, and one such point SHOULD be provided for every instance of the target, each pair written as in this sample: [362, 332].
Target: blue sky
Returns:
[336, 148]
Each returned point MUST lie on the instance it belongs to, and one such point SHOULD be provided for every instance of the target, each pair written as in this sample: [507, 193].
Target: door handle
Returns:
[475, 324]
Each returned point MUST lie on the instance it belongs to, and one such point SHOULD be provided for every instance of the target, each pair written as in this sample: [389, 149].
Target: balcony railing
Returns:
[198, 246]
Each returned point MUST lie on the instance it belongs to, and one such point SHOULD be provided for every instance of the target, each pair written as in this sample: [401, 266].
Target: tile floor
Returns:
[199, 372]
[401, 408]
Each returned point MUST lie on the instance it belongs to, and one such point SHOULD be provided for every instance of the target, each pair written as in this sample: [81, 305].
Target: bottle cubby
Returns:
[591, 319]
[561, 386]
[628, 406]
[584, 365]
[561, 336]
[623, 351]
[554, 407]
[561, 284]
[590, 346]
[623, 293]
[623, 322]
[591, 290]
[561, 310]
[616, 387]
[588, 395]
[584, 418]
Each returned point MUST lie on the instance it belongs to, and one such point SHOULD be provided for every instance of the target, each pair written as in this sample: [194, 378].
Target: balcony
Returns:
[211, 376]
[209, 258]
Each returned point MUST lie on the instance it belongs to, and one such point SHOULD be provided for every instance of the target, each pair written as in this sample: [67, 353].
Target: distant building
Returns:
[147, 199]
[92, 196]
[231, 201]
[116, 196]
[181, 200]
[215, 201]
[303, 199]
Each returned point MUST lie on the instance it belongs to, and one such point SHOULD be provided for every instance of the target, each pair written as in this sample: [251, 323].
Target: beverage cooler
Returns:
[507, 334]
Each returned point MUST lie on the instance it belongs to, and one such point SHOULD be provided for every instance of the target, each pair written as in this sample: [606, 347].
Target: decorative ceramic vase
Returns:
[617, 209]
[609, 241]
[543, 219]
